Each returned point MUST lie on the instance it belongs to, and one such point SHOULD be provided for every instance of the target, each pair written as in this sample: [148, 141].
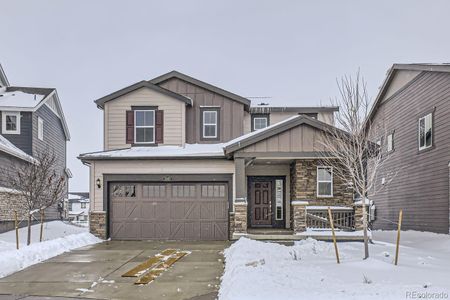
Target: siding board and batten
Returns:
[231, 112]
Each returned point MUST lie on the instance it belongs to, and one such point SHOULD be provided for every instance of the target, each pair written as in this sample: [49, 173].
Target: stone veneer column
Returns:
[240, 217]
[359, 216]
[240, 203]
[298, 215]
[97, 224]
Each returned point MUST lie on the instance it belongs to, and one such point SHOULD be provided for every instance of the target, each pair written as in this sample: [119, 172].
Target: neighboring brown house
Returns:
[184, 159]
[413, 107]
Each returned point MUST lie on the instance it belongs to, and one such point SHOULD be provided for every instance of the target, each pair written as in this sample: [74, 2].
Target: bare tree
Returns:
[37, 186]
[347, 147]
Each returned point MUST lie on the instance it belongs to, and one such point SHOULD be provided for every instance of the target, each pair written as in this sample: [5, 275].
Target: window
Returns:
[83, 205]
[144, 127]
[69, 206]
[324, 182]
[260, 123]
[390, 142]
[278, 199]
[209, 124]
[40, 129]
[426, 132]
[10, 122]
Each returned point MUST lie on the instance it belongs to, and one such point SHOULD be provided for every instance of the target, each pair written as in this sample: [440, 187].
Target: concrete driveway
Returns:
[95, 272]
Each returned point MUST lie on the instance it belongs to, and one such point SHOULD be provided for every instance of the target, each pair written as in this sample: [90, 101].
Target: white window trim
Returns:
[40, 128]
[390, 143]
[145, 126]
[10, 113]
[204, 125]
[418, 129]
[260, 118]
[326, 181]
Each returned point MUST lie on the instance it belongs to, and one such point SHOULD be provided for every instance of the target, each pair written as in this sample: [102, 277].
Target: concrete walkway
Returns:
[95, 272]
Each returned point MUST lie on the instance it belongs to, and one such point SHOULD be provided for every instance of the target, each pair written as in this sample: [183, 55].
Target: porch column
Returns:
[298, 215]
[240, 202]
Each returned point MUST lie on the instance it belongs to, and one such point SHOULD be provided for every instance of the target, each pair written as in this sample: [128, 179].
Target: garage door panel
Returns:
[178, 211]
[132, 210]
[118, 210]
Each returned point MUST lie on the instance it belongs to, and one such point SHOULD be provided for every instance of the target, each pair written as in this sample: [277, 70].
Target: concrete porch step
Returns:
[290, 236]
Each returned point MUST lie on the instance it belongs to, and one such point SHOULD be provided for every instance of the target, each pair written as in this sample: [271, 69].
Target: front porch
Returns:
[278, 199]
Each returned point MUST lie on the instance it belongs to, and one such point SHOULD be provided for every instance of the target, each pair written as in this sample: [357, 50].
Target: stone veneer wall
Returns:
[97, 224]
[304, 185]
[240, 217]
[7, 207]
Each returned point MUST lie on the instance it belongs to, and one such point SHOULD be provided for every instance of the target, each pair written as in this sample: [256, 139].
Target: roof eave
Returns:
[101, 101]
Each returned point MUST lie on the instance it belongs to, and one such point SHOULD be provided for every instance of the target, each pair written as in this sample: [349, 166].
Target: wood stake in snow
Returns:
[330, 216]
[16, 225]
[400, 217]
[42, 225]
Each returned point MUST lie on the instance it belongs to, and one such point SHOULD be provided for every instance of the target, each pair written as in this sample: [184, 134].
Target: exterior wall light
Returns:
[99, 183]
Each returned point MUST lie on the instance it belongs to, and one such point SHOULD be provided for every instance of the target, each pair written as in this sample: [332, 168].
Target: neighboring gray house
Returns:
[187, 160]
[413, 108]
[31, 121]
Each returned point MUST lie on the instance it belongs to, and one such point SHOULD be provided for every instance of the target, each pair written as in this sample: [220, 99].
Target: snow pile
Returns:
[308, 270]
[58, 238]
[189, 150]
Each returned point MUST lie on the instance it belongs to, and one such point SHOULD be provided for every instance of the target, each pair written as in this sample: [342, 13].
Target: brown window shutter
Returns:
[130, 127]
[159, 127]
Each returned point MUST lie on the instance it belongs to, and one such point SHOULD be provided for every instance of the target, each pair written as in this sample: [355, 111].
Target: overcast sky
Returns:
[291, 51]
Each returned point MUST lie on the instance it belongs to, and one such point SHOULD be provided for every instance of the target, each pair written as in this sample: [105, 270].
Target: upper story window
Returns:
[210, 124]
[390, 142]
[144, 126]
[324, 181]
[259, 121]
[40, 128]
[426, 132]
[10, 122]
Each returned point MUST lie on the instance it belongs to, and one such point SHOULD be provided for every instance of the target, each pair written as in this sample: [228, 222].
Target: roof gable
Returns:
[3, 79]
[400, 76]
[19, 98]
[101, 101]
[160, 79]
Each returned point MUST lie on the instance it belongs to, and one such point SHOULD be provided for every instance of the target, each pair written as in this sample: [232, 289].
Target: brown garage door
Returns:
[174, 211]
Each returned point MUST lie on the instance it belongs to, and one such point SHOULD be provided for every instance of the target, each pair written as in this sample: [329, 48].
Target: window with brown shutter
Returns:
[159, 127]
[130, 127]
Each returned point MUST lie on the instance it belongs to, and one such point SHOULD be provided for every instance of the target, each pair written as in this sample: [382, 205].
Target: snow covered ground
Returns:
[308, 270]
[59, 237]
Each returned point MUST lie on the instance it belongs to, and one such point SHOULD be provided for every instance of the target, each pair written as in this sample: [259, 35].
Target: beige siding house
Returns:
[186, 160]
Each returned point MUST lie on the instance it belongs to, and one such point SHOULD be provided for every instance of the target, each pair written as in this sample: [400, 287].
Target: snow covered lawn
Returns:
[59, 237]
[308, 270]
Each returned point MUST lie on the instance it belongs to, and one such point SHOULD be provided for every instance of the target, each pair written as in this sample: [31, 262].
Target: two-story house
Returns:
[31, 121]
[413, 108]
[184, 159]
[78, 208]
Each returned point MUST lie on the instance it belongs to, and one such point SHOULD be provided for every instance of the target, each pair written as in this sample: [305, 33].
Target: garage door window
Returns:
[124, 191]
[154, 191]
[213, 190]
[183, 191]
